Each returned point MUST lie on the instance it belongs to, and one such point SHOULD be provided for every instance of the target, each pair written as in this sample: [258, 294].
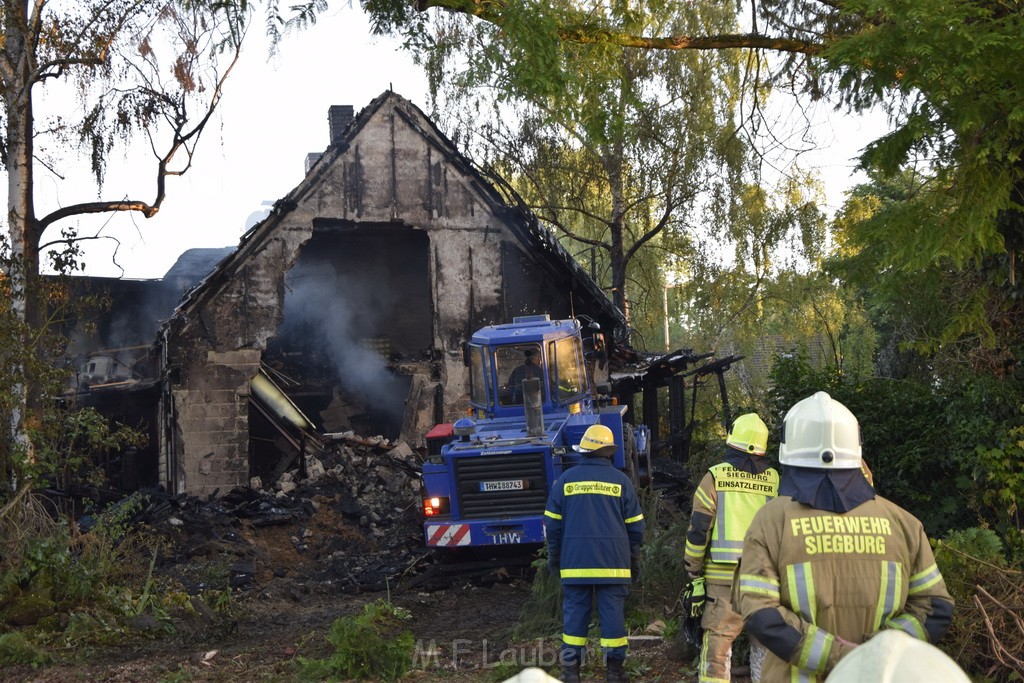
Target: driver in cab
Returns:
[528, 370]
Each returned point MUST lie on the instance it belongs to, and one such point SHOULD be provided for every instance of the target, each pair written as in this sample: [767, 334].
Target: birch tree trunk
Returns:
[118, 53]
[22, 270]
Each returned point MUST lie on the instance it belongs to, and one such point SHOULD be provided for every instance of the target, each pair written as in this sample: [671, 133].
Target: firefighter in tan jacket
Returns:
[724, 504]
[828, 563]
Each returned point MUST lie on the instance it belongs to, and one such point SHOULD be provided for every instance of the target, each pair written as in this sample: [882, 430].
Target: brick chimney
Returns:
[311, 160]
[339, 116]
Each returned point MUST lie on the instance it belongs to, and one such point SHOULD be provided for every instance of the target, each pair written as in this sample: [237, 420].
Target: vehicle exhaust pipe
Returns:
[533, 403]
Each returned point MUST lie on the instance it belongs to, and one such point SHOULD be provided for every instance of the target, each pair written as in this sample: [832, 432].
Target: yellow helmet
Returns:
[749, 434]
[596, 438]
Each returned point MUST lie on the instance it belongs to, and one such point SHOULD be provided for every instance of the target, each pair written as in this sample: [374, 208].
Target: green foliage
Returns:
[956, 312]
[662, 569]
[923, 441]
[1001, 469]
[541, 615]
[59, 442]
[772, 297]
[625, 152]
[182, 675]
[370, 645]
[945, 246]
[16, 648]
[81, 587]
[70, 441]
[955, 62]
[987, 591]
[966, 557]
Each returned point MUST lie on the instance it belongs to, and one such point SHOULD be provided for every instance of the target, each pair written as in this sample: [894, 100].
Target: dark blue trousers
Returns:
[577, 601]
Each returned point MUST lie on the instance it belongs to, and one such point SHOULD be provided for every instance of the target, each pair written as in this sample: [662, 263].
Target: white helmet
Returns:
[893, 656]
[820, 432]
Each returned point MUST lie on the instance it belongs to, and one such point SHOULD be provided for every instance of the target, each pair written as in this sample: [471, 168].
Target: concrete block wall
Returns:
[393, 171]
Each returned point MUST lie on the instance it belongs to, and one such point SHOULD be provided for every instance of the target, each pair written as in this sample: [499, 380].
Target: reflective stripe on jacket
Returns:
[593, 520]
[723, 507]
[808, 576]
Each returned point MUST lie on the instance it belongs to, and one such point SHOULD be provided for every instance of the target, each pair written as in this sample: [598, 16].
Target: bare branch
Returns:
[579, 238]
[147, 210]
[182, 139]
[666, 216]
[71, 240]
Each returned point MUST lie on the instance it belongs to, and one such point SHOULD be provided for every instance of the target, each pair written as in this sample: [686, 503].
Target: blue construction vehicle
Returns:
[531, 400]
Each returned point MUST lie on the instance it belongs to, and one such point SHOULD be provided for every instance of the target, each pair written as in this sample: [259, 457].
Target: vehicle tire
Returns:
[645, 470]
[630, 454]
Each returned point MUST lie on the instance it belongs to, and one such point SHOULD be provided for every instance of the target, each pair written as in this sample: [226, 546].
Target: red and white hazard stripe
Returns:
[448, 535]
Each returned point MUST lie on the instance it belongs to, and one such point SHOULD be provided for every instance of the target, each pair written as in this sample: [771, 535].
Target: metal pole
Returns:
[665, 303]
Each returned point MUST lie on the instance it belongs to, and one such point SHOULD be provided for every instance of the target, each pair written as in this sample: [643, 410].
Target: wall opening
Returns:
[357, 304]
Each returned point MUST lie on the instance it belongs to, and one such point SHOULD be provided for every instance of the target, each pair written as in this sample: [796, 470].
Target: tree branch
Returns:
[97, 45]
[665, 217]
[145, 209]
[718, 42]
[71, 240]
[182, 139]
[492, 12]
[579, 238]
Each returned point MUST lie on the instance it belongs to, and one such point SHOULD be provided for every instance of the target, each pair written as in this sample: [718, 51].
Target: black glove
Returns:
[634, 565]
[693, 610]
[553, 566]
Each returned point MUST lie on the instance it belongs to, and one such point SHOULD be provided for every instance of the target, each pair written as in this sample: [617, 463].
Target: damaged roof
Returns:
[535, 237]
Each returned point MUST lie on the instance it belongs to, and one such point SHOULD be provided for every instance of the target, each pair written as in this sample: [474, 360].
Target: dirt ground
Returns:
[460, 632]
[295, 563]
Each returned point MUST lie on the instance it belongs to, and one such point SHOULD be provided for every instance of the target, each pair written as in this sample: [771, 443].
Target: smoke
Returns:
[121, 317]
[334, 314]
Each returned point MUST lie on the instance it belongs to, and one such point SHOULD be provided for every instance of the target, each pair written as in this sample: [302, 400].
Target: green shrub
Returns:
[541, 615]
[16, 649]
[948, 451]
[1001, 473]
[662, 569]
[966, 558]
[75, 588]
[367, 645]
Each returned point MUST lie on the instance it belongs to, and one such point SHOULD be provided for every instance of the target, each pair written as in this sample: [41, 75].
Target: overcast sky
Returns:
[274, 112]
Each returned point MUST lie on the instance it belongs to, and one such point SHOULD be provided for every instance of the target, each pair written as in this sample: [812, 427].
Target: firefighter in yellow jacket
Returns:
[829, 563]
[724, 504]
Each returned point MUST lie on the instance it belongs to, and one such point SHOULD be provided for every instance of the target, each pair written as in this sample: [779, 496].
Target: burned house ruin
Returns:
[346, 308]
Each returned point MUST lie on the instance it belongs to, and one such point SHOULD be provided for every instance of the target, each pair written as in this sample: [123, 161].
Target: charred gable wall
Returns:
[386, 206]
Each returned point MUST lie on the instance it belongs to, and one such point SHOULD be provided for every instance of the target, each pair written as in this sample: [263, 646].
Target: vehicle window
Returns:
[569, 374]
[478, 367]
[553, 375]
[513, 365]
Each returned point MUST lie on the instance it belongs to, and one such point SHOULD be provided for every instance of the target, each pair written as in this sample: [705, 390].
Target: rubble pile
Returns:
[346, 520]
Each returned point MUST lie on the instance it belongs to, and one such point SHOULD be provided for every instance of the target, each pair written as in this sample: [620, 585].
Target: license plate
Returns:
[504, 485]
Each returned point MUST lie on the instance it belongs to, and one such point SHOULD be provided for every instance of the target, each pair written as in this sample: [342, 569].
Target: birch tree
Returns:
[633, 153]
[152, 69]
[947, 71]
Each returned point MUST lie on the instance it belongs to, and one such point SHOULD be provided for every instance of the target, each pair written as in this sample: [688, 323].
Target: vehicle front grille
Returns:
[476, 504]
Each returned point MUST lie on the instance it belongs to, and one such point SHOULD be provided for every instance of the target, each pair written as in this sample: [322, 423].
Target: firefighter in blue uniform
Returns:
[594, 531]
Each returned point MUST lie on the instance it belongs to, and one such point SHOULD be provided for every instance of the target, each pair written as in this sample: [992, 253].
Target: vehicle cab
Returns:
[500, 357]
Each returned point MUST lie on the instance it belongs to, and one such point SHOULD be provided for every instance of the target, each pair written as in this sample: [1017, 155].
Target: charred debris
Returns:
[345, 520]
